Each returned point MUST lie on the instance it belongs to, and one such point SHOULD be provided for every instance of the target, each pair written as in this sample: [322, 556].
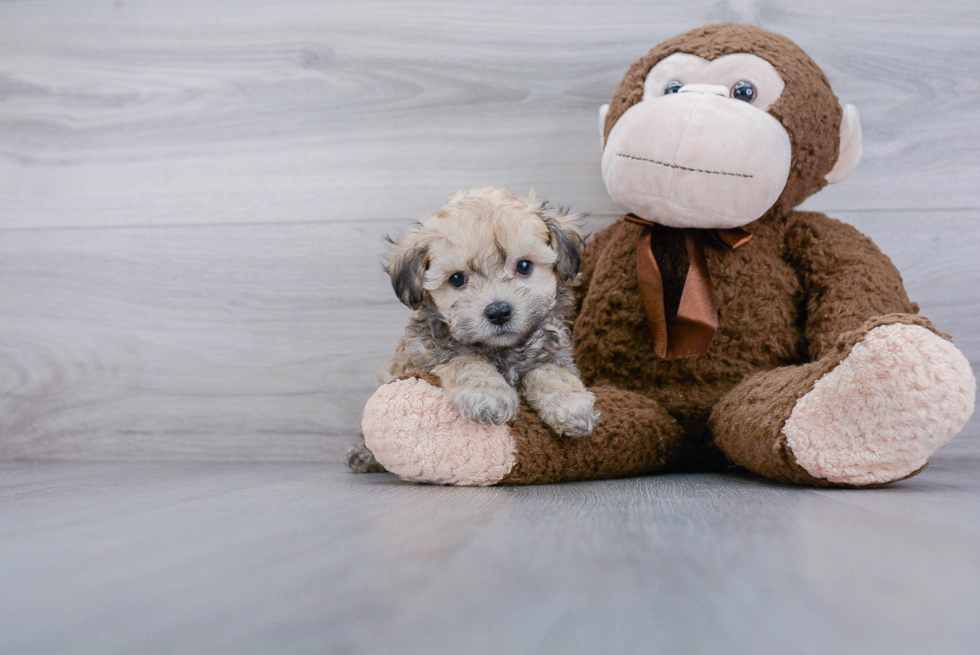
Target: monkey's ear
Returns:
[603, 110]
[406, 266]
[566, 241]
[850, 145]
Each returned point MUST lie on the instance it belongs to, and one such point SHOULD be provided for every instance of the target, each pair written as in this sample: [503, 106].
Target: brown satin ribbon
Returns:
[697, 316]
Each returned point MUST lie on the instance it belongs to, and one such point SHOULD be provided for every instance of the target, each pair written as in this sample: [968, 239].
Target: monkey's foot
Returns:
[415, 432]
[898, 395]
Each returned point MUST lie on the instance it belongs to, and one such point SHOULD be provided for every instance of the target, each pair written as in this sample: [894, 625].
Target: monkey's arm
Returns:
[847, 279]
[593, 249]
[883, 390]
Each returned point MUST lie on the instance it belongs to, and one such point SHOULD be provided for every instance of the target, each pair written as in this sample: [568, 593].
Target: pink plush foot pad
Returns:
[899, 394]
[414, 432]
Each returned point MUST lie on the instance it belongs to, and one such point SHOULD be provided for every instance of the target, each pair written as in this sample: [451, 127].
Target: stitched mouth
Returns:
[681, 168]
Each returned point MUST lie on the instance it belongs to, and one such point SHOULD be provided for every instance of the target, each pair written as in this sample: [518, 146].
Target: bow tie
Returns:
[697, 315]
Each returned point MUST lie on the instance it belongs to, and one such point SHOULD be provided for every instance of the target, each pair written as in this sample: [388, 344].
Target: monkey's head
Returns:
[717, 126]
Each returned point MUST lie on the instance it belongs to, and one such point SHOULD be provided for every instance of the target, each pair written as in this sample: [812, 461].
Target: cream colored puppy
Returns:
[488, 279]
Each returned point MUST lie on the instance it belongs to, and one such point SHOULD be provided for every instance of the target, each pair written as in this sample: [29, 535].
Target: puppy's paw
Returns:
[493, 404]
[570, 414]
[360, 459]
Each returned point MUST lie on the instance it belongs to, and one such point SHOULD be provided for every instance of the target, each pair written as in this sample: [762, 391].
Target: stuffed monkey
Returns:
[715, 324]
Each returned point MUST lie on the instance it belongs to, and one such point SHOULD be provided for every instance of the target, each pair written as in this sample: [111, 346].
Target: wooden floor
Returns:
[193, 195]
[307, 558]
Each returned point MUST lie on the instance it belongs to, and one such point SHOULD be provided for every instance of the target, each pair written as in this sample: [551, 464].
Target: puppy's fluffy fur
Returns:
[488, 279]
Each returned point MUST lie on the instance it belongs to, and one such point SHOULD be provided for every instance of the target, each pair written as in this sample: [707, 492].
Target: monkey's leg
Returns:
[414, 431]
[870, 412]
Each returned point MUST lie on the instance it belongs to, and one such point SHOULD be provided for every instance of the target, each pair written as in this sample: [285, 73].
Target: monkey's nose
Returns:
[715, 89]
[497, 313]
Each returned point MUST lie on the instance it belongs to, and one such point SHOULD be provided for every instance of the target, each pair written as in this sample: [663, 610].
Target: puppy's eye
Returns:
[744, 90]
[673, 87]
[457, 279]
[524, 267]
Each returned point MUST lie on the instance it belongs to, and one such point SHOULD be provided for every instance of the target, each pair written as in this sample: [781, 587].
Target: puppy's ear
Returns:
[406, 266]
[566, 239]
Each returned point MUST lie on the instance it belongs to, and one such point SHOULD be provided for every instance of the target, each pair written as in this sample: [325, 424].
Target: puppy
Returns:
[488, 279]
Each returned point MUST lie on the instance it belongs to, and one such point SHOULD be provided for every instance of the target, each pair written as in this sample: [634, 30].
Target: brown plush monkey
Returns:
[716, 325]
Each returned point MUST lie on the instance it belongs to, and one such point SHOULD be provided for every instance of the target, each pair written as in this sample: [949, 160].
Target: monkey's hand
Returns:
[477, 390]
[561, 400]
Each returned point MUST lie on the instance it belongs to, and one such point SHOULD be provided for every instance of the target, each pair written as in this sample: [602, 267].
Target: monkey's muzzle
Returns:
[696, 159]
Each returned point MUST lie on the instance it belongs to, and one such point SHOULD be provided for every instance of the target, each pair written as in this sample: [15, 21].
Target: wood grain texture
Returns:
[243, 342]
[192, 194]
[126, 113]
[232, 342]
[301, 558]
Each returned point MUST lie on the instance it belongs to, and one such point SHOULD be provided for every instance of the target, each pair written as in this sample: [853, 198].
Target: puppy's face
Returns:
[490, 262]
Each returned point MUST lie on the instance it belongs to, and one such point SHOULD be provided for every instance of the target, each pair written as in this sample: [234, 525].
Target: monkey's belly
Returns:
[760, 310]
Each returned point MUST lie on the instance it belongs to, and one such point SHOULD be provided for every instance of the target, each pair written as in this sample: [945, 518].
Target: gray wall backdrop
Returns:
[193, 194]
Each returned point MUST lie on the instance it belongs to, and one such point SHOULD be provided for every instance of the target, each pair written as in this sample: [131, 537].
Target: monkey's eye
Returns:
[673, 87]
[744, 90]
[457, 279]
[524, 267]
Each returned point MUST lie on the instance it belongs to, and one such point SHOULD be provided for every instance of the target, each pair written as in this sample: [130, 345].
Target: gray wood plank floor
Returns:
[306, 558]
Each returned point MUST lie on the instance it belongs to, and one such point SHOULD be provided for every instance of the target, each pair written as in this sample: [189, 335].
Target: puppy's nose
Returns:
[497, 313]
